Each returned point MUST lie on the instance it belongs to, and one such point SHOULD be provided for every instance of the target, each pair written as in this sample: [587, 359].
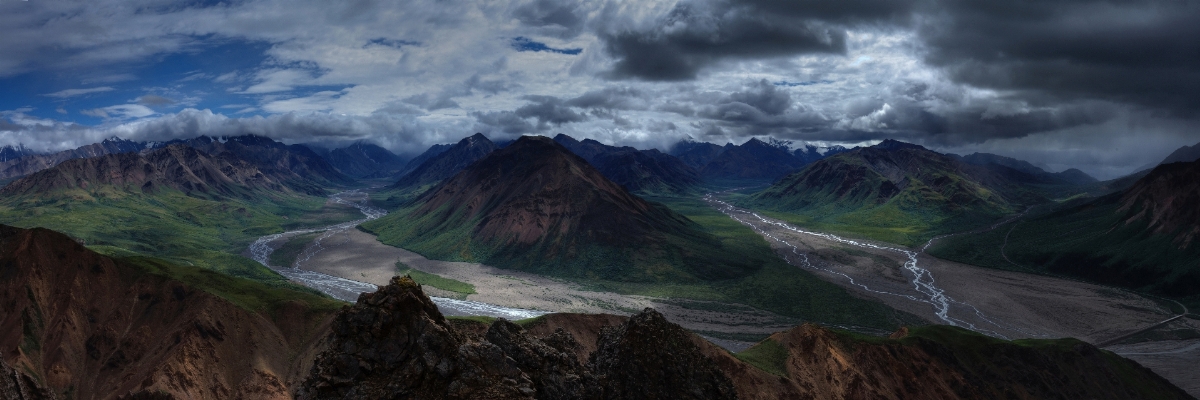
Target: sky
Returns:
[1108, 87]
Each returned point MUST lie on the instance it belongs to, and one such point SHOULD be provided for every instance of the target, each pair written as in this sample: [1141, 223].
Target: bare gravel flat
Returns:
[1004, 304]
[356, 255]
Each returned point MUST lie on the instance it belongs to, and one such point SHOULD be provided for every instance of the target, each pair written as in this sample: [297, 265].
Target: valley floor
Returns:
[1173, 359]
[1004, 304]
[356, 255]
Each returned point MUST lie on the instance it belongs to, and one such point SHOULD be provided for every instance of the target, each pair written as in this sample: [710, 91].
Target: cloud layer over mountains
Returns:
[1106, 86]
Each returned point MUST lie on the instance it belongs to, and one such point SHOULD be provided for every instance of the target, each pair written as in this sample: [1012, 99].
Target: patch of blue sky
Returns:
[185, 77]
[521, 43]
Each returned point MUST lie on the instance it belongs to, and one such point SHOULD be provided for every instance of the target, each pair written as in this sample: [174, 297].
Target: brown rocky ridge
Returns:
[295, 166]
[86, 326]
[179, 167]
[1168, 199]
[30, 163]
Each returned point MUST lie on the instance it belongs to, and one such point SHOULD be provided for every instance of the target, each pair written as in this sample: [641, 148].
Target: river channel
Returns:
[347, 289]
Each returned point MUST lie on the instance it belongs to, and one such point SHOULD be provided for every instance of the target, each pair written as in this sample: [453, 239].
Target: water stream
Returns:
[924, 285]
[347, 289]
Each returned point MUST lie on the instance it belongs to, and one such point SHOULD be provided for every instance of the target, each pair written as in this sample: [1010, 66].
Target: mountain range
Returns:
[754, 161]
[179, 167]
[363, 160]
[198, 202]
[1068, 177]
[645, 171]
[446, 162]
[79, 324]
[20, 162]
[1144, 237]
[536, 206]
[902, 192]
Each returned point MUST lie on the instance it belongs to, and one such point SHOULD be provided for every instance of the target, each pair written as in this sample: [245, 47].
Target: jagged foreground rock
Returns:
[17, 385]
[394, 343]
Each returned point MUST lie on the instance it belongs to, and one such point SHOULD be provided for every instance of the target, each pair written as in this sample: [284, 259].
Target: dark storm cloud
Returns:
[696, 34]
[611, 98]
[9, 126]
[1140, 52]
[504, 121]
[549, 110]
[765, 97]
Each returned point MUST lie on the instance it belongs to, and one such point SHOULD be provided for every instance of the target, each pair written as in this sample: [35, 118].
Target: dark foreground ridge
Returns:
[75, 324]
[395, 344]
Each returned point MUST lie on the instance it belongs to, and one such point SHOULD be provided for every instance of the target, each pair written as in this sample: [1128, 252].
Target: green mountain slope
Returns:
[536, 206]
[175, 203]
[897, 192]
[948, 362]
[1144, 238]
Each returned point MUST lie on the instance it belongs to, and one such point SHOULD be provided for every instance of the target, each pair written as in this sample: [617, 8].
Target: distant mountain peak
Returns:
[892, 144]
[1183, 154]
[448, 162]
[783, 144]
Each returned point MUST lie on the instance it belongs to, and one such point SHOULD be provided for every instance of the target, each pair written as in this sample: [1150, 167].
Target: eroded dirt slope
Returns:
[86, 326]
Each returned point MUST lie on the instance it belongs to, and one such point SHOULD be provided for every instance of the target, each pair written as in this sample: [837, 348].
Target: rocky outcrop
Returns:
[18, 385]
[395, 344]
[651, 358]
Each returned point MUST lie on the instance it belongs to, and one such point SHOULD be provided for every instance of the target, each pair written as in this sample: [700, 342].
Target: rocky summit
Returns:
[395, 344]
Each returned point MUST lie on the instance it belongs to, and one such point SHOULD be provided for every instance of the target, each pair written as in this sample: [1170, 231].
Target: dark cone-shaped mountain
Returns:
[534, 205]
